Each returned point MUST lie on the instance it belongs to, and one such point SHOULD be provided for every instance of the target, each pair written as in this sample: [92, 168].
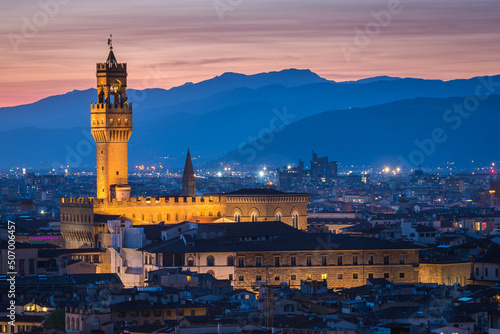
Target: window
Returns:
[145, 313]
[293, 277]
[241, 278]
[193, 312]
[370, 260]
[241, 261]
[355, 260]
[169, 313]
[370, 275]
[486, 271]
[323, 260]
[190, 262]
[308, 261]
[277, 277]
[386, 259]
[289, 308]
[134, 313]
[339, 276]
[477, 271]
[230, 277]
[324, 276]
[230, 261]
[401, 259]
[117, 173]
[120, 314]
[386, 275]
[210, 261]
[278, 216]
[157, 313]
[276, 261]
[401, 275]
[254, 217]
[258, 278]
[496, 272]
[31, 266]
[309, 277]
[237, 217]
[295, 220]
[355, 276]
[293, 261]
[339, 260]
[20, 264]
[258, 261]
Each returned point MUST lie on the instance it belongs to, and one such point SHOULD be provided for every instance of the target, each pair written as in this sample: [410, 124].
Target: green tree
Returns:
[56, 320]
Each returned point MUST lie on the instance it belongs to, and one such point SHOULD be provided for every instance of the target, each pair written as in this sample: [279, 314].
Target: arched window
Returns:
[295, 219]
[255, 217]
[237, 217]
[210, 261]
[72, 324]
[68, 323]
[230, 261]
[211, 272]
[77, 324]
[277, 217]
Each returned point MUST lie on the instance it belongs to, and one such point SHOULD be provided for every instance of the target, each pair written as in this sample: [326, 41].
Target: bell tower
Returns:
[111, 123]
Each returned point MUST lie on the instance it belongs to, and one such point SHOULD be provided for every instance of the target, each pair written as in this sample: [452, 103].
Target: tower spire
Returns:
[188, 179]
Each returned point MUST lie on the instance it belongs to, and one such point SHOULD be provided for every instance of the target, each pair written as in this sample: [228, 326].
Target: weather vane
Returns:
[110, 41]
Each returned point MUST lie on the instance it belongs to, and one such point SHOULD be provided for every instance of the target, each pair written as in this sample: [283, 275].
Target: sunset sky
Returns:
[51, 46]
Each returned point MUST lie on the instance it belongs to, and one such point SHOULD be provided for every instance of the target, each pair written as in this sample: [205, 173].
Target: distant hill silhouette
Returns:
[219, 115]
[396, 134]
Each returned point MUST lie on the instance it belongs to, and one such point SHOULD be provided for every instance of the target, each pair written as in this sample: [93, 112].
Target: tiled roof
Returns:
[295, 241]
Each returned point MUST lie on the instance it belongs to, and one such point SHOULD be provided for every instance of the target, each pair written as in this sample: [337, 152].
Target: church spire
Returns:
[188, 179]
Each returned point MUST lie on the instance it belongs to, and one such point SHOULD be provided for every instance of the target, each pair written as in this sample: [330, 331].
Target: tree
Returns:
[56, 320]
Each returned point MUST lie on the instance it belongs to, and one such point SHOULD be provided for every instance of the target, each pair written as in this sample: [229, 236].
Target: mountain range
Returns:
[273, 118]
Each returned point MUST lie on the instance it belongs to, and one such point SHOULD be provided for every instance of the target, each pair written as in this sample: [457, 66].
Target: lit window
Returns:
[324, 276]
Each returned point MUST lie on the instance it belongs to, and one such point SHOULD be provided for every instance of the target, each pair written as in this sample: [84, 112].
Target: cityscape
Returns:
[303, 198]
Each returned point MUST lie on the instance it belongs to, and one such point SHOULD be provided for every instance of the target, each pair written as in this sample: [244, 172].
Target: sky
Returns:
[50, 47]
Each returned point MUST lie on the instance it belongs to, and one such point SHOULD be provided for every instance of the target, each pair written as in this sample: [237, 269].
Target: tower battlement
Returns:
[78, 202]
[122, 67]
[111, 107]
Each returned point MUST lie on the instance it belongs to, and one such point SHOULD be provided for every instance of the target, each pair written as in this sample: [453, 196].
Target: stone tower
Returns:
[111, 122]
[188, 179]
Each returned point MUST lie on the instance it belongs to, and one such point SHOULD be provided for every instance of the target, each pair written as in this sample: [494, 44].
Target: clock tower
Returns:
[111, 123]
